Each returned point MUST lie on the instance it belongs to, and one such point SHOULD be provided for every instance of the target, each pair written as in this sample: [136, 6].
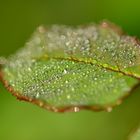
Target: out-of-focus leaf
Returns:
[135, 135]
[70, 68]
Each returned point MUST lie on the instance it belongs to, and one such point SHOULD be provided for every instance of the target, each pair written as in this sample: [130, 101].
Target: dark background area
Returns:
[24, 121]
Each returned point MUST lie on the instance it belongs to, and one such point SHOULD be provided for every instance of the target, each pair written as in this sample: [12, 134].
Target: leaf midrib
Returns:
[112, 69]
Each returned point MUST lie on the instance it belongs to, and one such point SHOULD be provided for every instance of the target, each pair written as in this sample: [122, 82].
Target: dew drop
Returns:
[76, 109]
[68, 43]
[95, 78]
[37, 95]
[109, 109]
[65, 71]
[66, 81]
[41, 104]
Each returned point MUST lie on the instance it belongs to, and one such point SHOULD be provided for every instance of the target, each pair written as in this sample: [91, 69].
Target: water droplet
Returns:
[109, 109]
[66, 81]
[41, 104]
[76, 109]
[95, 78]
[65, 71]
[68, 43]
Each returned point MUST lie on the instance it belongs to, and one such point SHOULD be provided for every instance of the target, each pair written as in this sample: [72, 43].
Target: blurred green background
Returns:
[24, 121]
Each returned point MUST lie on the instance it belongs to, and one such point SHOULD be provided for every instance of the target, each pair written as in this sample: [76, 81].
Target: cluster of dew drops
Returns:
[92, 42]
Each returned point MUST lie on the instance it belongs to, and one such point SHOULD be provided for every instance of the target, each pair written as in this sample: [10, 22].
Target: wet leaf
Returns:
[66, 68]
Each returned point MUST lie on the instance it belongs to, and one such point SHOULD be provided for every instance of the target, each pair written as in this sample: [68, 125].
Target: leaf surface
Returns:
[65, 68]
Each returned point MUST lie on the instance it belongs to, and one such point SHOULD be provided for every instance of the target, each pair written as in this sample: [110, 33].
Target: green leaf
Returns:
[64, 68]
